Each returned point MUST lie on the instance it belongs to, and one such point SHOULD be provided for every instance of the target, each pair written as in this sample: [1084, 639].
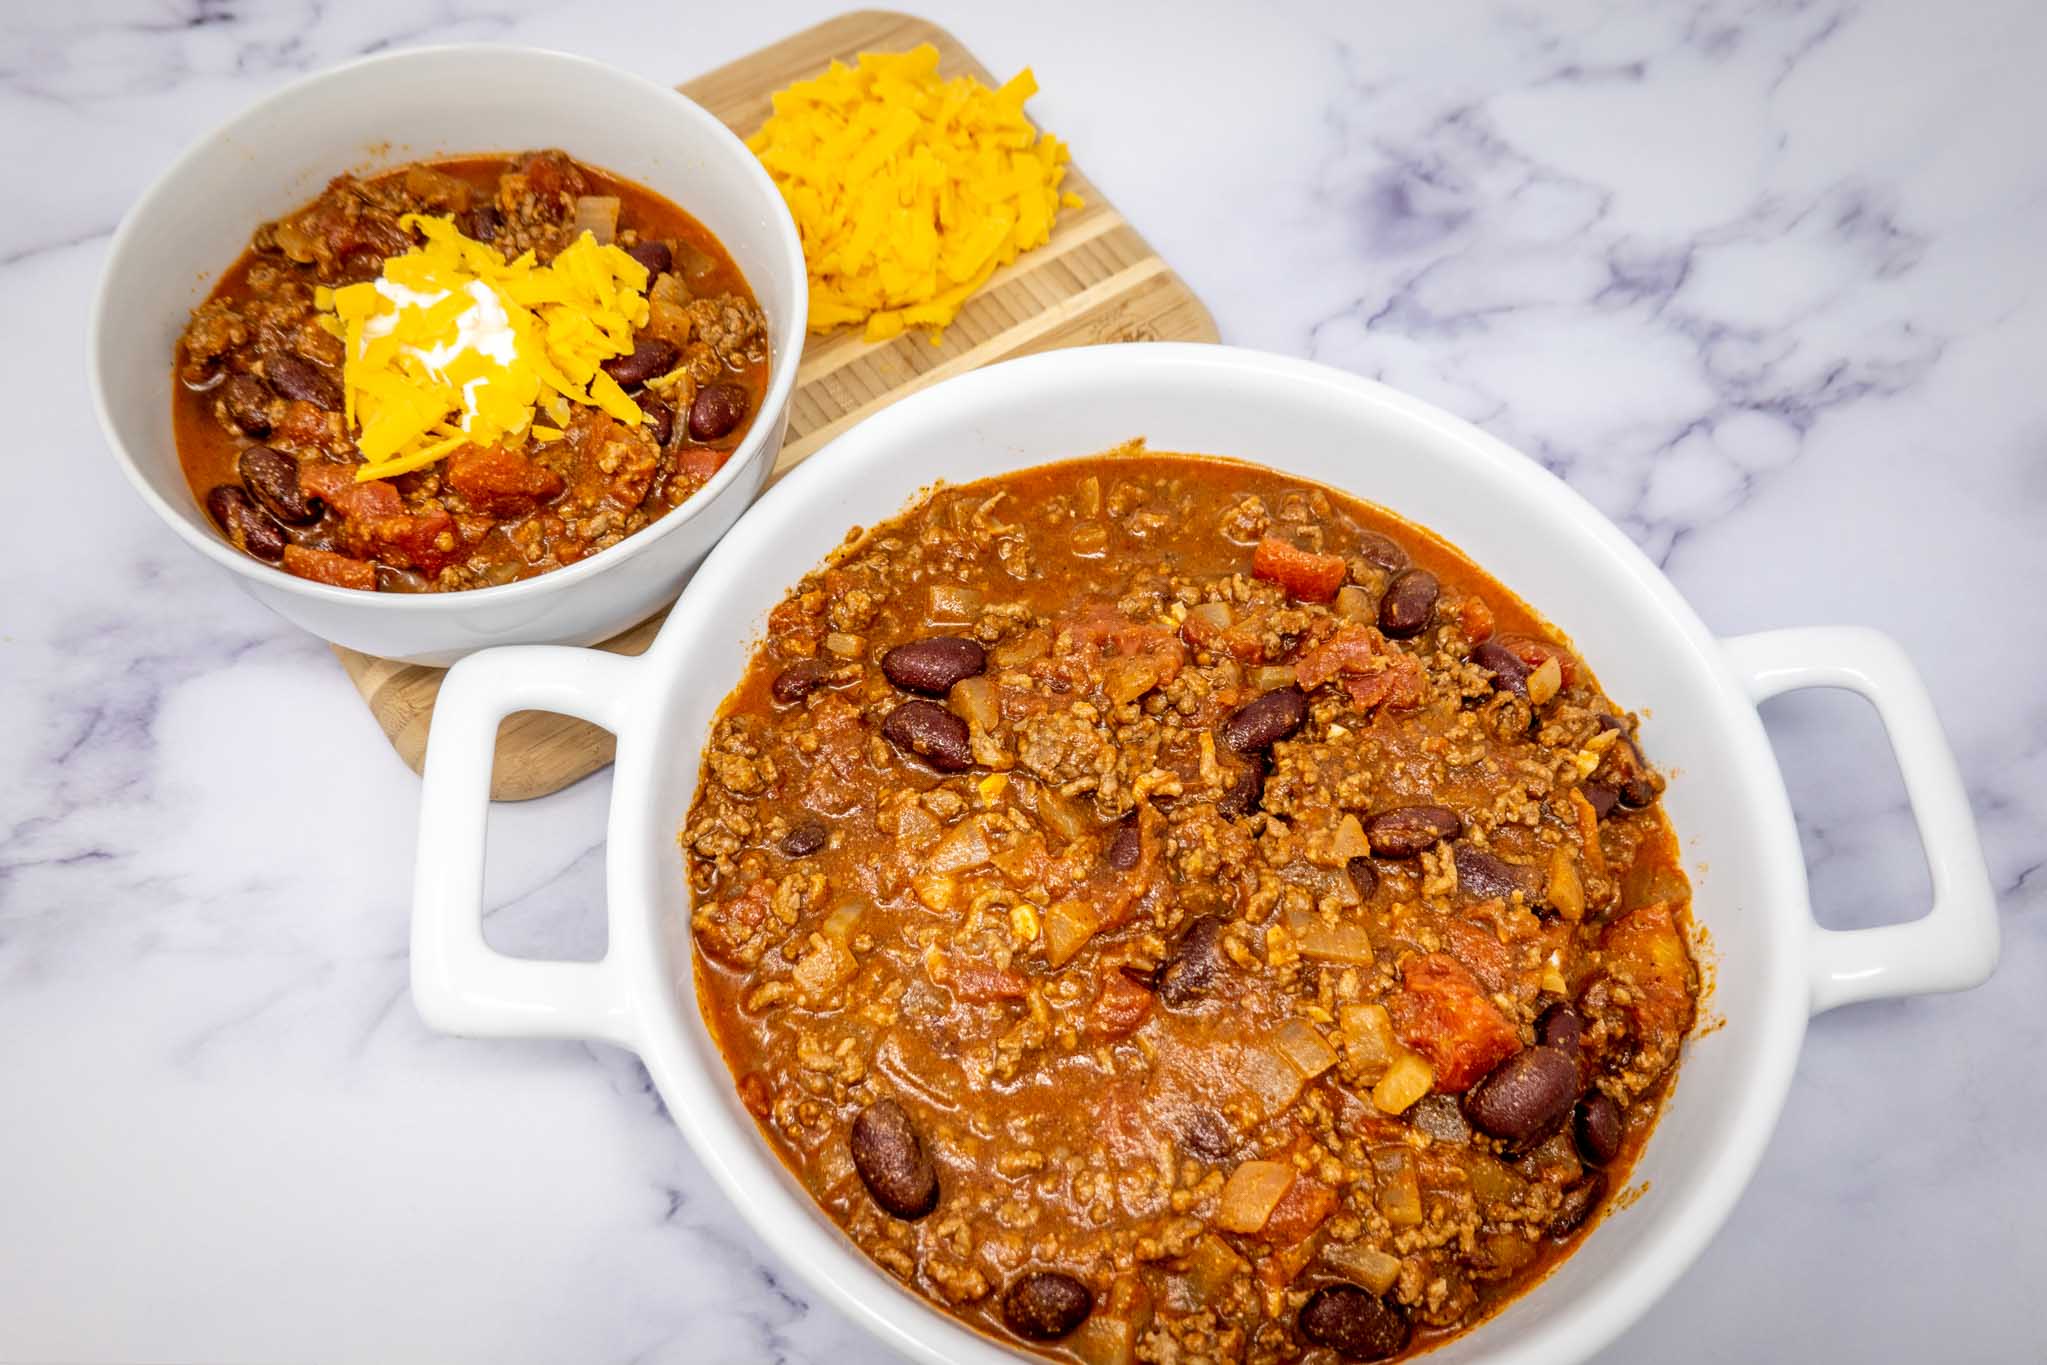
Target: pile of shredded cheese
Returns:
[909, 190]
[453, 345]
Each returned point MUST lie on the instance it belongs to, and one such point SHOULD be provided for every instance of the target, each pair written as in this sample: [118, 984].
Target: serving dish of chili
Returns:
[1165, 909]
[630, 407]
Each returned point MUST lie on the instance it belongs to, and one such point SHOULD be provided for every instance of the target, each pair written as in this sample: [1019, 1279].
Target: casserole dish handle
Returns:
[1954, 945]
[460, 983]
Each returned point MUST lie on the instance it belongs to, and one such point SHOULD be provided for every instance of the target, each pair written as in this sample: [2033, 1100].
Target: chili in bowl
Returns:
[887, 1156]
[456, 346]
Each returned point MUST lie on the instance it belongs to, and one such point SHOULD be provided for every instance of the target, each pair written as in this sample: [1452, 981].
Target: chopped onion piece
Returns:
[1353, 603]
[596, 214]
[1250, 1195]
[1302, 1044]
[952, 604]
[1406, 1081]
[965, 845]
[1374, 1269]
[975, 701]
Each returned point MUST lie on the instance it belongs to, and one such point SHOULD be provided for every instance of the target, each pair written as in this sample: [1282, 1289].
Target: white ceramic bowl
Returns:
[384, 110]
[1772, 965]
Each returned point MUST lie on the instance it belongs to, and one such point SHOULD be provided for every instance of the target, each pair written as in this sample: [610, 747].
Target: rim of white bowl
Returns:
[781, 374]
[836, 1268]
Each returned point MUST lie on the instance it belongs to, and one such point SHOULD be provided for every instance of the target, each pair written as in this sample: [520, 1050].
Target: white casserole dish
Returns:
[1771, 965]
[440, 101]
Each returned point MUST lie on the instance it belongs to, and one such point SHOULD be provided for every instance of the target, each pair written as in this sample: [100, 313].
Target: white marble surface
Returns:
[1765, 281]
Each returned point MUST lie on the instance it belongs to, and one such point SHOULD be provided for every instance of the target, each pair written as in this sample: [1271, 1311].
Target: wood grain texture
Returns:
[1096, 280]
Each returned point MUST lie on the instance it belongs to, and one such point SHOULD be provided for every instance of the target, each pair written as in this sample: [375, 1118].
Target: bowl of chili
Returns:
[1769, 965]
[229, 389]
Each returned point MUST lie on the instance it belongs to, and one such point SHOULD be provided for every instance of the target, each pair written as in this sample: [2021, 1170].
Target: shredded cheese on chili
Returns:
[453, 345]
[909, 191]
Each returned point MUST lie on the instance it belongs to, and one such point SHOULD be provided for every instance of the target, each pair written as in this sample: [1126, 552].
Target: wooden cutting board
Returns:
[1095, 281]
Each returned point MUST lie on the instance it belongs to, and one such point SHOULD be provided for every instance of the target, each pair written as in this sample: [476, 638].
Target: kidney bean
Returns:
[1510, 674]
[1560, 1027]
[1602, 796]
[1259, 724]
[272, 478]
[482, 222]
[245, 526]
[1194, 963]
[1626, 769]
[1045, 1305]
[653, 255]
[1353, 1322]
[1525, 1098]
[932, 665]
[392, 579]
[247, 404]
[799, 680]
[1208, 1135]
[1242, 791]
[1598, 1128]
[651, 357]
[1578, 1203]
[660, 418]
[303, 380]
[1409, 831]
[1483, 876]
[717, 410]
[932, 733]
[804, 838]
[1363, 876]
[892, 1162]
[1382, 552]
[1409, 604]
[1127, 845]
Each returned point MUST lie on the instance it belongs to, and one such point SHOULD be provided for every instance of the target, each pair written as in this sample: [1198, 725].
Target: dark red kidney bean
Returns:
[392, 579]
[244, 524]
[1602, 796]
[1382, 552]
[804, 838]
[1410, 831]
[1209, 1136]
[272, 478]
[799, 680]
[1483, 876]
[1439, 1117]
[1510, 672]
[1193, 965]
[1626, 769]
[302, 379]
[1409, 604]
[650, 358]
[1046, 1305]
[1259, 724]
[247, 404]
[653, 255]
[1353, 1322]
[717, 410]
[1598, 1127]
[1243, 791]
[892, 1162]
[932, 665]
[1560, 1027]
[1578, 1203]
[1525, 1098]
[660, 418]
[482, 222]
[1363, 876]
[1127, 845]
[932, 733]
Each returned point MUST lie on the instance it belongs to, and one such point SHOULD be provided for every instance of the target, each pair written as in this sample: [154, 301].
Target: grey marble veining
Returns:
[1764, 281]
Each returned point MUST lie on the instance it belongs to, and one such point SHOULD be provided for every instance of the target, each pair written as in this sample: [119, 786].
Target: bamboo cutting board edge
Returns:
[1095, 281]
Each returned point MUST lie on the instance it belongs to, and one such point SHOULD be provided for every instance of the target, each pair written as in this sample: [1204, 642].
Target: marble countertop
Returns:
[1766, 282]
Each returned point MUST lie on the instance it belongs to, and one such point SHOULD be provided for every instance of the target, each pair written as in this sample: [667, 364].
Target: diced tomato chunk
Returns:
[324, 566]
[1398, 686]
[1353, 649]
[1120, 1009]
[1304, 1207]
[1442, 1014]
[500, 482]
[1305, 574]
[699, 463]
[979, 982]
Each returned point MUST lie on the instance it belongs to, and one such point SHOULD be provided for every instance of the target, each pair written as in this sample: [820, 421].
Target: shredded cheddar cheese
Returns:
[453, 345]
[909, 191]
